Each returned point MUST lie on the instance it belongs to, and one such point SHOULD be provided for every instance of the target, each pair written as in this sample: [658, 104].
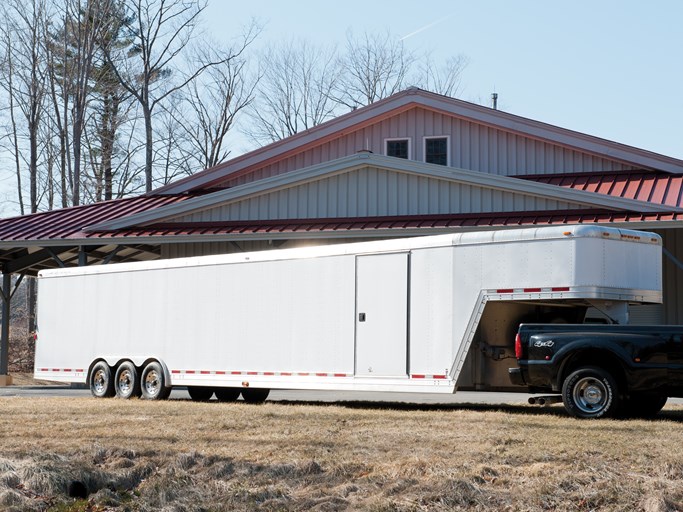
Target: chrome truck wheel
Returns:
[126, 381]
[153, 382]
[101, 382]
[590, 392]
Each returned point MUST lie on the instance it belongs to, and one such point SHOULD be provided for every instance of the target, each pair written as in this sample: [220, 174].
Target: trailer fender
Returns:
[167, 373]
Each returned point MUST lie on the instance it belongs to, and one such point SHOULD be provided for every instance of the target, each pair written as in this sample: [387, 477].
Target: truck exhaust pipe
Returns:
[542, 401]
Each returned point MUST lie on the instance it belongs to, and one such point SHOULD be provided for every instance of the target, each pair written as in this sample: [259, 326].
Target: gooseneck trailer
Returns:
[427, 314]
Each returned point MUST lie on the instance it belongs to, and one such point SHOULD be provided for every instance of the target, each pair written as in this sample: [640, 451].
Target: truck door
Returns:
[382, 315]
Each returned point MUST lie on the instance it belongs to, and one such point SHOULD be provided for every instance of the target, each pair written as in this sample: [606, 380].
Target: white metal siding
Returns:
[472, 146]
[371, 192]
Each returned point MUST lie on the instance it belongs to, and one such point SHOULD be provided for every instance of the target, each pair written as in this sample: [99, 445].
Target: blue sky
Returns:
[609, 68]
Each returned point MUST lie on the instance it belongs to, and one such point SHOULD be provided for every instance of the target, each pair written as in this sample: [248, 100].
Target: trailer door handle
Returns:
[361, 317]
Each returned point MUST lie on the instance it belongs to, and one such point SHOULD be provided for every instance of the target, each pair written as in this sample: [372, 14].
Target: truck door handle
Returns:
[361, 317]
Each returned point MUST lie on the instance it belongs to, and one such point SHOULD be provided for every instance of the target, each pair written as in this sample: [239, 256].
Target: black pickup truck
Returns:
[601, 370]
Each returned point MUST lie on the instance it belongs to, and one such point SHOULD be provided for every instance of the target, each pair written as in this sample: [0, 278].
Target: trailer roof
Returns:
[379, 246]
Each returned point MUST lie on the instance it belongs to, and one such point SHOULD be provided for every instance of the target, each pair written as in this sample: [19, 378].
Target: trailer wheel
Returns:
[126, 382]
[200, 393]
[153, 382]
[101, 382]
[590, 392]
[227, 394]
[255, 395]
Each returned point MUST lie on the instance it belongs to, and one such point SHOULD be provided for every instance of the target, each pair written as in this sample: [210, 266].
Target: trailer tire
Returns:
[590, 392]
[227, 394]
[200, 393]
[101, 381]
[153, 382]
[255, 395]
[126, 381]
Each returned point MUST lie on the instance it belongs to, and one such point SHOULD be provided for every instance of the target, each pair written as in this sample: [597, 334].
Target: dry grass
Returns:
[177, 455]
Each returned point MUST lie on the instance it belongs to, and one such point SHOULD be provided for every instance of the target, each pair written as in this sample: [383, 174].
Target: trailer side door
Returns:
[382, 315]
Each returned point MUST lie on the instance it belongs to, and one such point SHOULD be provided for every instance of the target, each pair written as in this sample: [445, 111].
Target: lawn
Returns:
[182, 455]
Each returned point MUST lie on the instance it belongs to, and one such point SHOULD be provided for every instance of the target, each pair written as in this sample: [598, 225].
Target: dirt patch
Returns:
[178, 455]
[26, 379]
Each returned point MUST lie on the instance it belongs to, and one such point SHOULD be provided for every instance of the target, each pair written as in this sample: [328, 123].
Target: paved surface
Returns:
[461, 397]
[307, 396]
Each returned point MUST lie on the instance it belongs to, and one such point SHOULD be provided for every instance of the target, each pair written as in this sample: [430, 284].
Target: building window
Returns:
[399, 148]
[436, 150]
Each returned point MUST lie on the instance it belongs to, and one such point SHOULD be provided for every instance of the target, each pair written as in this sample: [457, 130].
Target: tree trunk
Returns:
[148, 147]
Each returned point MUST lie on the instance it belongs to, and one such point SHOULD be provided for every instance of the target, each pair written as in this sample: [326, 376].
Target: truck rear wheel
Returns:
[227, 394]
[126, 382]
[200, 393]
[255, 395]
[153, 382]
[101, 382]
[590, 392]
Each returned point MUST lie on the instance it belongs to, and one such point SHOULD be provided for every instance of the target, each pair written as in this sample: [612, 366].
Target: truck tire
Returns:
[643, 406]
[227, 394]
[153, 382]
[590, 392]
[200, 393]
[101, 382]
[126, 381]
[255, 395]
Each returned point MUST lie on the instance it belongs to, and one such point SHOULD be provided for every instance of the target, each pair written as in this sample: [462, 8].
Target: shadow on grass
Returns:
[526, 410]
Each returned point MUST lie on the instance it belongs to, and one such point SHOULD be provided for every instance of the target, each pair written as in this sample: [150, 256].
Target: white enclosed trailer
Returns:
[394, 315]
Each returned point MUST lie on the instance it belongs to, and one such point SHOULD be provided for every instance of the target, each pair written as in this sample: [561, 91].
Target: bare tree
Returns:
[374, 66]
[86, 22]
[443, 79]
[25, 77]
[294, 91]
[162, 30]
[213, 103]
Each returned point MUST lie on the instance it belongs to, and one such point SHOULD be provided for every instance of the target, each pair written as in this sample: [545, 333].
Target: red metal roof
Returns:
[651, 186]
[397, 223]
[68, 223]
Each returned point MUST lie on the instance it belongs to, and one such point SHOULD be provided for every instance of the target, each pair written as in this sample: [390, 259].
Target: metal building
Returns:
[415, 163]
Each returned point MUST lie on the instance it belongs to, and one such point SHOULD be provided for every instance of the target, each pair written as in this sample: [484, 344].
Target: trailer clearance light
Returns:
[518, 346]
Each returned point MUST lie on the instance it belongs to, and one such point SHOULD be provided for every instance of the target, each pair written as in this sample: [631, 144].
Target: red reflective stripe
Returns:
[303, 374]
[268, 373]
[220, 373]
[532, 290]
[56, 369]
[235, 373]
[66, 370]
[189, 372]
[505, 290]
[252, 373]
[175, 371]
[418, 376]
[321, 375]
[205, 372]
[286, 374]
[44, 369]
[80, 370]
[340, 375]
[439, 376]
[560, 289]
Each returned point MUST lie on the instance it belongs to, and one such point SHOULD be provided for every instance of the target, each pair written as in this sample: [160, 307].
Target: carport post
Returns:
[4, 331]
